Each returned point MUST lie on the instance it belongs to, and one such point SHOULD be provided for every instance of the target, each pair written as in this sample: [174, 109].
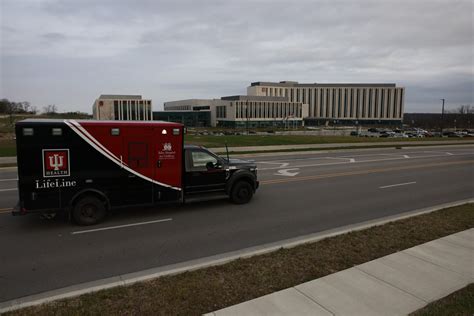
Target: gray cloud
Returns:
[67, 52]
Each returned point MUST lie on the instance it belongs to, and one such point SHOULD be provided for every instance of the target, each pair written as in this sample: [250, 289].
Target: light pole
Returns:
[442, 117]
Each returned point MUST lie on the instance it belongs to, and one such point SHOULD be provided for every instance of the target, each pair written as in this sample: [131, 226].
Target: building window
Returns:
[351, 104]
[376, 103]
[382, 104]
[400, 108]
[389, 103]
[221, 112]
[346, 110]
[370, 103]
[339, 104]
[125, 113]
[364, 100]
[116, 110]
[395, 103]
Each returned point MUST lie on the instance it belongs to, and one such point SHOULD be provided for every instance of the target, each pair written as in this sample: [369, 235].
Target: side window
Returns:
[199, 159]
[138, 155]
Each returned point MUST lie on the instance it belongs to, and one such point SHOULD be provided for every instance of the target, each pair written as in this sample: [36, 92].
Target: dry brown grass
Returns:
[459, 303]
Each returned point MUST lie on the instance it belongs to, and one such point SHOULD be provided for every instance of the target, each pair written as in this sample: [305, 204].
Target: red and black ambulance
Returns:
[86, 167]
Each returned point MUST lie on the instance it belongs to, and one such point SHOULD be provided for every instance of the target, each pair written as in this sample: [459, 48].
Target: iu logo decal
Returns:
[167, 147]
[56, 163]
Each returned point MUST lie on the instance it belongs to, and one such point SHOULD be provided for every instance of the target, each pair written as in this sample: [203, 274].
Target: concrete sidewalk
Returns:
[4, 160]
[397, 284]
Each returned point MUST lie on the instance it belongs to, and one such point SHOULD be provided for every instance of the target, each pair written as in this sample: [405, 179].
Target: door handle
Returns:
[158, 164]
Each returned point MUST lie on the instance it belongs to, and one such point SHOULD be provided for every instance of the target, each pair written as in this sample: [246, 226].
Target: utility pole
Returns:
[442, 118]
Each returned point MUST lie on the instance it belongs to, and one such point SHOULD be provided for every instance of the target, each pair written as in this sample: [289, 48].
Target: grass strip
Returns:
[269, 140]
[456, 304]
[213, 288]
[7, 165]
[7, 148]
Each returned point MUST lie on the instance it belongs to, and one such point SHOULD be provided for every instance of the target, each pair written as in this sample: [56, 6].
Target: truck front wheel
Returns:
[241, 192]
[89, 210]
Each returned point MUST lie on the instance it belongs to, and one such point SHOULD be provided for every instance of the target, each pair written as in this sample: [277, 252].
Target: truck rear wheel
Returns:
[241, 192]
[89, 210]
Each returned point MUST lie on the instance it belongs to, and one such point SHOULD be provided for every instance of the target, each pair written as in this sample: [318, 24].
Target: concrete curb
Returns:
[130, 278]
[338, 145]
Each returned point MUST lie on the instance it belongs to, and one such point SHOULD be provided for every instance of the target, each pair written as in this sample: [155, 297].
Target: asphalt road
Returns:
[299, 194]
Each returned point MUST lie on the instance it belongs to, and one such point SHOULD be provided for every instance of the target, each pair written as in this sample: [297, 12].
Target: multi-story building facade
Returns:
[239, 111]
[260, 111]
[351, 103]
[122, 107]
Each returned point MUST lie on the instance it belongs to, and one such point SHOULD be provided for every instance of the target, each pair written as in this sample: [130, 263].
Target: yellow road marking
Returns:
[5, 210]
[340, 174]
[359, 172]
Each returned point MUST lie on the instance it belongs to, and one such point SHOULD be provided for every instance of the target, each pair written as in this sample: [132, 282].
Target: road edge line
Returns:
[144, 275]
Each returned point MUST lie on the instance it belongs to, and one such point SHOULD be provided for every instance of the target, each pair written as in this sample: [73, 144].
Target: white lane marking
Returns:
[438, 152]
[287, 172]
[4, 190]
[362, 161]
[406, 156]
[16, 179]
[282, 164]
[351, 160]
[120, 226]
[396, 185]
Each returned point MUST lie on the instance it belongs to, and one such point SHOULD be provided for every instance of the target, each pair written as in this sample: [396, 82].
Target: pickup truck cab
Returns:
[205, 172]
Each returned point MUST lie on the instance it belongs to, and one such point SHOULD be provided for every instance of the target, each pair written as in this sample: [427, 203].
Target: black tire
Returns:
[89, 210]
[241, 193]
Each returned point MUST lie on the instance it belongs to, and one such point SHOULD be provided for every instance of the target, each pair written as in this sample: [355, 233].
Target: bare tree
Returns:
[463, 109]
[11, 109]
[50, 109]
[25, 106]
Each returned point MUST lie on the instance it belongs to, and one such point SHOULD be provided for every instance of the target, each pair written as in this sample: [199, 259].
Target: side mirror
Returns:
[210, 165]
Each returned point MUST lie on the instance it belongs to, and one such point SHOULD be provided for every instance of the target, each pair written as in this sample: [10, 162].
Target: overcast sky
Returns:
[69, 52]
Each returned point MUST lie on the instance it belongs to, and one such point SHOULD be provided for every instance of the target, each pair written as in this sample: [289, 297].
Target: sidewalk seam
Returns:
[436, 264]
[388, 283]
[457, 245]
[304, 294]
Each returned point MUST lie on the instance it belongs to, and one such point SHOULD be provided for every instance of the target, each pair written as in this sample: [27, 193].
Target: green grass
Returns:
[205, 290]
[7, 148]
[459, 303]
[268, 140]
